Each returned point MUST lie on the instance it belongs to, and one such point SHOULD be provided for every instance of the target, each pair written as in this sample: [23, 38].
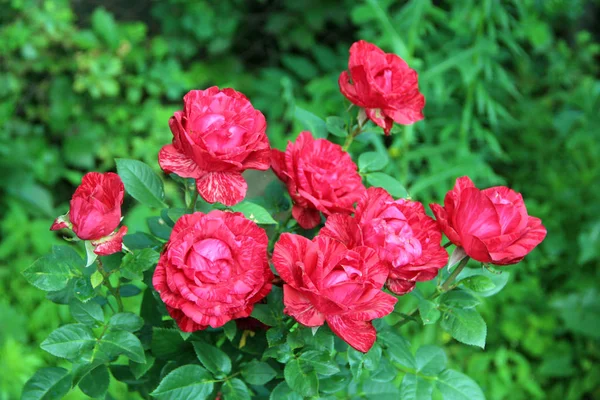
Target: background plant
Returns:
[512, 94]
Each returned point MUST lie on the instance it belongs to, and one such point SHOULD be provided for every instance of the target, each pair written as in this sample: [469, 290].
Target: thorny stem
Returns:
[114, 291]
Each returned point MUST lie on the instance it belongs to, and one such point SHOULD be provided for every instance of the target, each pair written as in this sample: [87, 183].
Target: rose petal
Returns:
[173, 161]
[228, 188]
[361, 335]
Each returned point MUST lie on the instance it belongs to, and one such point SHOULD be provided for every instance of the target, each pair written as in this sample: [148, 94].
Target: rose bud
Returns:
[383, 84]
[404, 237]
[216, 137]
[213, 269]
[320, 176]
[491, 225]
[95, 212]
[327, 282]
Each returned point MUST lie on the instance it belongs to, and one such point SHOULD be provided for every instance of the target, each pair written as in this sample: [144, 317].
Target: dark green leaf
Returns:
[129, 290]
[454, 385]
[284, 392]
[69, 341]
[115, 343]
[166, 343]
[336, 126]
[141, 182]
[126, 322]
[465, 325]
[431, 360]
[53, 271]
[187, 382]
[47, 384]
[213, 358]
[311, 123]
[334, 384]
[230, 330]
[235, 389]
[139, 369]
[379, 179]
[301, 379]
[322, 362]
[255, 213]
[429, 312]
[135, 264]
[95, 383]
[372, 161]
[89, 313]
[258, 373]
[398, 348]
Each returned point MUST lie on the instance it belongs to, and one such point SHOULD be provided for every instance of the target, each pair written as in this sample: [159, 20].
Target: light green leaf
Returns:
[141, 182]
[258, 372]
[459, 298]
[311, 123]
[301, 378]
[322, 362]
[465, 325]
[52, 272]
[398, 348]
[417, 388]
[96, 279]
[372, 161]
[95, 383]
[89, 313]
[126, 321]
[499, 280]
[429, 312]
[187, 382]
[478, 283]
[336, 126]
[431, 360]
[255, 213]
[47, 384]
[89, 252]
[379, 179]
[213, 358]
[235, 389]
[454, 385]
[69, 341]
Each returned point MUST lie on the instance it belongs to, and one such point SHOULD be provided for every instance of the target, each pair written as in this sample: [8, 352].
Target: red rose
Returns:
[405, 238]
[492, 225]
[95, 212]
[213, 269]
[326, 281]
[383, 84]
[216, 137]
[320, 176]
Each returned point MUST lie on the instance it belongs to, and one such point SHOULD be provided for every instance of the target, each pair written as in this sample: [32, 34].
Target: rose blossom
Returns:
[213, 269]
[320, 176]
[405, 238]
[216, 137]
[492, 225]
[95, 212]
[327, 282]
[383, 84]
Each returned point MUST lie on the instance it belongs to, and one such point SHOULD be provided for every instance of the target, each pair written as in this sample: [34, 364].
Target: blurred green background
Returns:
[513, 97]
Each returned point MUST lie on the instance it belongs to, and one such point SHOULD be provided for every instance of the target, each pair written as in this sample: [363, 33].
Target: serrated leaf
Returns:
[235, 389]
[96, 279]
[431, 360]
[166, 343]
[336, 126]
[187, 382]
[454, 385]
[89, 313]
[230, 330]
[141, 182]
[126, 321]
[134, 264]
[465, 325]
[69, 341]
[478, 283]
[213, 358]
[459, 299]
[499, 280]
[95, 383]
[371, 161]
[53, 271]
[429, 312]
[379, 179]
[415, 387]
[115, 343]
[255, 213]
[334, 384]
[322, 362]
[398, 348]
[258, 372]
[301, 379]
[284, 392]
[47, 384]
[311, 122]
[139, 369]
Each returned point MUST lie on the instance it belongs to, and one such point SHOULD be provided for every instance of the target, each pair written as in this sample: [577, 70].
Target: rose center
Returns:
[384, 79]
[211, 261]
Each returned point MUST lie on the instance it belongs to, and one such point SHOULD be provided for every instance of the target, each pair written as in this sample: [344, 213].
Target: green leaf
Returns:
[89, 252]
[478, 283]
[115, 343]
[82, 289]
[431, 360]
[133, 265]
[465, 325]
[301, 379]
[336, 126]
[255, 213]
[139, 369]
[284, 392]
[69, 341]
[499, 280]
[141, 182]
[47, 384]
[454, 385]
[96, 279]
[126, 321]
[166, 343]
[380, 390]
[230, 330]
[89, 313]
[104, 25]
[398, 348]
[53, 271]
[258, 372]
[263, 313]
[334, 384]
[235, 389]
[372, 161]
[213, 358]
[385, 372]
[379, 179]
[429, 312]
[322, 362]
[311, 123]
[415, 387]
[187, 382]
[95, 383]
[459, 298]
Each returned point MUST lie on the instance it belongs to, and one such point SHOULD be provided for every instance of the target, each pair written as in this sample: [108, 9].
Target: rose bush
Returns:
[216, 137]
[491, 225]
[213, 269]
[320, 177]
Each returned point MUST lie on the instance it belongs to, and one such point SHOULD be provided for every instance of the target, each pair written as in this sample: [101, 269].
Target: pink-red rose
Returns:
[320, 177]
[405, 238]
[327, 282]
[213, 269]
[491, 225]
[216, 137]
[383, 84]
[95, 212]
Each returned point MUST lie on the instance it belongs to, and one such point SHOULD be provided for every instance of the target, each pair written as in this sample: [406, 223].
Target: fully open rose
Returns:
[95, 212]
[216, 137]
[405, 238]
[383, 84]
[327, 282]
[320, 176]
[491, 225]
[213, 269]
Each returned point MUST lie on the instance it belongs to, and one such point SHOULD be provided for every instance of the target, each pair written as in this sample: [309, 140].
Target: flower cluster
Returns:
[215, 266]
